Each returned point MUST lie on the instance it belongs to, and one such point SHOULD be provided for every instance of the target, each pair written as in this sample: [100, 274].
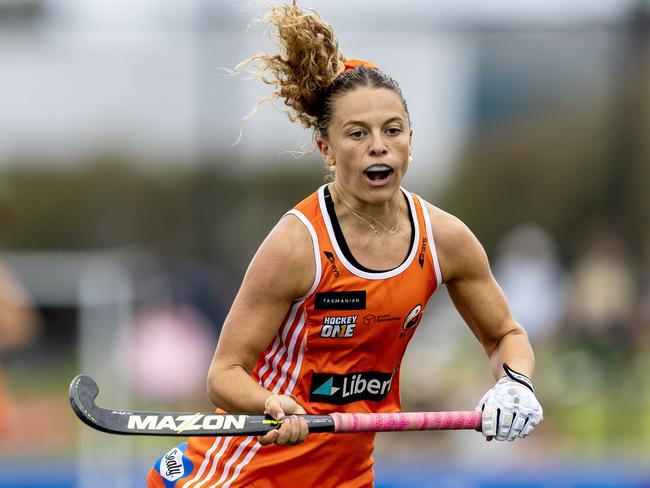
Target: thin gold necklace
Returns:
[393, 228]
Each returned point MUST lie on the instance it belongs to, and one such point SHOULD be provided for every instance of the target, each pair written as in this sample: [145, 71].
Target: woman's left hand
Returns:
[510, 409]
[293, 430]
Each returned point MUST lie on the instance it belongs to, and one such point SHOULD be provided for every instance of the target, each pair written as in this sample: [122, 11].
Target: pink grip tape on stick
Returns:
[391, 422]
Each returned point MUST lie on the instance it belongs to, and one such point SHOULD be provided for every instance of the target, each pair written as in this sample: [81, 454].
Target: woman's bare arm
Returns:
[281, 272]
[478, 297]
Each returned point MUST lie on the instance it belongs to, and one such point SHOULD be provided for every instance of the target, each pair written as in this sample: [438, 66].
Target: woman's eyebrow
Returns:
[397, 118]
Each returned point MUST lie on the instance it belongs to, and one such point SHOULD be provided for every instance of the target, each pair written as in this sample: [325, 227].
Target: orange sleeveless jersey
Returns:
[338, 349]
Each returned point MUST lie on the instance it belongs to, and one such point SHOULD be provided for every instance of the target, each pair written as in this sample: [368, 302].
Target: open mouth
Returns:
[378, 172]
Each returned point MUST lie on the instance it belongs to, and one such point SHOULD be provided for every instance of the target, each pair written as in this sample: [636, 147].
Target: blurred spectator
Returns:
[528, 269]
[173, 335]
[603, 291]
[644, 292]
[169, 349]
[18, 326]
[601, 319]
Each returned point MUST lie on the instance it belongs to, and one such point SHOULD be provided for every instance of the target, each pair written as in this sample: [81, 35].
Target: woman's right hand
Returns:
[293, 429]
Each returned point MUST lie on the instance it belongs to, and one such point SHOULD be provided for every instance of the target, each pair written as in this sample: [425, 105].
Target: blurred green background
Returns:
[127, 219]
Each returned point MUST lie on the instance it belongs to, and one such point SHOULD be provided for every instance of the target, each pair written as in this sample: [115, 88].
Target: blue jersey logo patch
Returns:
[174, 465]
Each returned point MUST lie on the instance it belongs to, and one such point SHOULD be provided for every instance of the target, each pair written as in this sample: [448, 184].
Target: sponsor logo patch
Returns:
[339, 326]
[372, 318]
[341, 389]
[171, 466]
[341, 300]
[174, 465]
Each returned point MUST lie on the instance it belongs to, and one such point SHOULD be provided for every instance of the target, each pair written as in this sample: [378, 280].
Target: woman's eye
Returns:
[357, 134]
[393, 131]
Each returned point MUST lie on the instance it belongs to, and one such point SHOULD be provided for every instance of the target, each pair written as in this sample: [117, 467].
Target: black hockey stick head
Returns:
[84, 390]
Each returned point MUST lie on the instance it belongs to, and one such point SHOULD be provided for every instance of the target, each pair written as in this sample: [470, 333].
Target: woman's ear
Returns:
[325, 150]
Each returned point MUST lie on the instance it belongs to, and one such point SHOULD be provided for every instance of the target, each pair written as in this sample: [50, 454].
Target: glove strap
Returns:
[518, 377]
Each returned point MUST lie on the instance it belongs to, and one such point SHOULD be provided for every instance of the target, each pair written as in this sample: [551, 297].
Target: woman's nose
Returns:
[378, 148]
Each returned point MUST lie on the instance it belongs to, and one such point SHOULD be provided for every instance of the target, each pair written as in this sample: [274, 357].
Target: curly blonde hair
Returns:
[308, 72]
[308, 62]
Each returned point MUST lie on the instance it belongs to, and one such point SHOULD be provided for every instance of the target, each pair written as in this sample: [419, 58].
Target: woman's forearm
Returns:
[234, 390]
[513, 349]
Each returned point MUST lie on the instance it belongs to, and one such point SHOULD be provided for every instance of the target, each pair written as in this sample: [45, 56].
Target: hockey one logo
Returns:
[340, 389]
[185, 423]
[171, 466]
[341, 326]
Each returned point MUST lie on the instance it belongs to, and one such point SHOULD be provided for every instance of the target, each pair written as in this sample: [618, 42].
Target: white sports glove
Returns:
[510, 409]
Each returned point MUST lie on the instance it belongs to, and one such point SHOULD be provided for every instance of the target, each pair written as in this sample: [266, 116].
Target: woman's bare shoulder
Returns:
[448, 229]
[457, 246]
[285, 260]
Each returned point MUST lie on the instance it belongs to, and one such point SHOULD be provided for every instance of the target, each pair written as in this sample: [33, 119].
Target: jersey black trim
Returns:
[340, 238]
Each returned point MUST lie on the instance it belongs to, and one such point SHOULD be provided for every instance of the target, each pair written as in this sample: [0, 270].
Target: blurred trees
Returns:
[572, 161]
[549, 168]
[115, 201]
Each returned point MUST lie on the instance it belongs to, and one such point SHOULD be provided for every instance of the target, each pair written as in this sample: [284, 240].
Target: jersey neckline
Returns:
[340, 245]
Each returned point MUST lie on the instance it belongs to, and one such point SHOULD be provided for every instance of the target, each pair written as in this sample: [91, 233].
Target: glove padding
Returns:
[510, 410]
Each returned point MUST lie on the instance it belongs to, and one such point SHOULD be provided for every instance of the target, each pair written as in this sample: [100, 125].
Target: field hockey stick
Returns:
[84, 390]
